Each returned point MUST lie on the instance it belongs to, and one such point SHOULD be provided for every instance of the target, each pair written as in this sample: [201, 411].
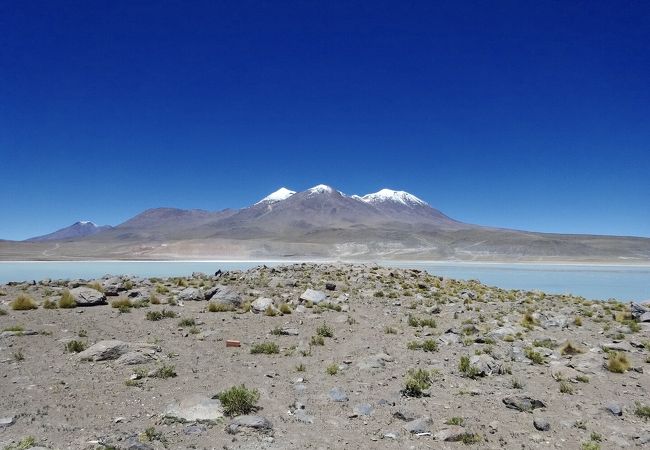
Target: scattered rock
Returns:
[85, 296]
[224, 295]
[523, 403]
[614, 408]
[541, 424]
[191, 294]
[249, 423]
[195, 408]
[261, 304]
[313, 296]
[485, 365]
[420, 425]
[338, 395]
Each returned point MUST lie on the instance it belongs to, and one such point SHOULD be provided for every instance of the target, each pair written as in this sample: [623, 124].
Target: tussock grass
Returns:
[67, 300]
[267, 348]
[239, 400]
[23, 303]
[618, 363]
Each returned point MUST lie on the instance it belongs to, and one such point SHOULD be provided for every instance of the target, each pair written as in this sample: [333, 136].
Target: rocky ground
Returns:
[364, 357]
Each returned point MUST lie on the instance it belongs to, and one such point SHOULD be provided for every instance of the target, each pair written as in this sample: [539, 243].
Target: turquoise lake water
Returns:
[597, 282]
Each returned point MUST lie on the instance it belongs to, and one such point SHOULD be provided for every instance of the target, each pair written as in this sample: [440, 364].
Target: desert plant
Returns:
[301, 367]
[466, 368]
[239, 400]
[582, 378]
[390, 330]
[565, 388]
[267, 348]
[187, 322]
[164, 371]
[121, 303]
[3, 312]
[96, 286]
[516, 384]
[285, 308]
[153, 299]
[67, 300]
[219, 307]
[325, 331]
[569, 349]
[642, 410]
[317, 340]
[618, 363]
[23, 303]
[75, 346]
[159, 315]
[332, 369]
[23, 444]
[49, 304]
[18, 355]
[458, 421]
[416, 383]
[577, 321]
[535, 357]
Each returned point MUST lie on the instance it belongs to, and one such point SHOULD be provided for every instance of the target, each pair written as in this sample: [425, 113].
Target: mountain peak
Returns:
[277, 196]
[390, 195]
[86, 222]
[321, 189]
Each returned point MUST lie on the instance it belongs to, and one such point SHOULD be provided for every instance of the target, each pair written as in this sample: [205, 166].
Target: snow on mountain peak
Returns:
[277, 196]
[320, 189]
[389, 195]
[87, 222]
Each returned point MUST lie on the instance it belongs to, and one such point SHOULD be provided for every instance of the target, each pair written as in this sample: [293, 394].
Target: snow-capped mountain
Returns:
[277, 196]
[79, 229]
[389, 195]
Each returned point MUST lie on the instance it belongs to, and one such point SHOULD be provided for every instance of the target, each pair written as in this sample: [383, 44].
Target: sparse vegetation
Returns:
[23, 303]
[317, 340]
[332, 369]
[160, 315]
[49, 304]
[642, 410]
[457, 421]
[187, 322]
[219, 307]
[466, 368]
[565, 387]
[239, 400]
[428, 345]
[75, 346]
[417, 382]
[618, 363]
[569, 349]
[267, 348]
[535, 357]
[164, 371]
[390, 330]
[67, 300]
[285, 308]
[325, 331]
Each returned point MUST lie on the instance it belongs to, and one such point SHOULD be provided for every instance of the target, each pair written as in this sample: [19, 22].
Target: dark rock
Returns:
[330, 286]
[523, 403]
[541, 424]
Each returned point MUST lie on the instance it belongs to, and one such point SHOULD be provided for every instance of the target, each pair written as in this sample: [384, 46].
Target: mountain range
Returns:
[320, 222]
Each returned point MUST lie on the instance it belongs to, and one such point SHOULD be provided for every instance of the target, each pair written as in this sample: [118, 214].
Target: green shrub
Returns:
[67, 300]
[159, 315]
[75, 346]
[457, 421]
[534, 356]
[161, 289]
[238, 400]
[164, 371]
[325, 331]
[428, 345]
[332, 369]
[268, 348]
[285, 308]
[23, 444]
[416, 383]
[187, 322]
[23, 303]
[466, 368]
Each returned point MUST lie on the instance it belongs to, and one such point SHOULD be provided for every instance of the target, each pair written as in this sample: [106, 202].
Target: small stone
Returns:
[417, 426]
[6, 421]
[614, 408]
[338, 395]
[541, 424]
[249, 423]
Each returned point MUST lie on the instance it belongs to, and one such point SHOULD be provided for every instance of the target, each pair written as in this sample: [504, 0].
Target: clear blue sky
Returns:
[525, 114]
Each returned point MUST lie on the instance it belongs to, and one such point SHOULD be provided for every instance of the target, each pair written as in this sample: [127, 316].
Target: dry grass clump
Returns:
[23, 303]
[618, 363]
[67, 300]
[568, 349]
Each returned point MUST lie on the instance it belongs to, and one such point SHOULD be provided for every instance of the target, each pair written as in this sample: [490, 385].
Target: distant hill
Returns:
[321, 222]
[76, 230]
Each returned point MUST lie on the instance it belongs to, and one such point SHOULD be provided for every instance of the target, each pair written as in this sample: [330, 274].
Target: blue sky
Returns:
[528, 115]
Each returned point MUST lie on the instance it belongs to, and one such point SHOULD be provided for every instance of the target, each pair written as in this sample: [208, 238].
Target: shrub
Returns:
[285, 308]
[534, 356]
[569, 349]
[121, 303]
[582, 378]
[164, 371]
[516, 384]
[67, 300]
[187, 322]
[565, 388]
[301, 367]
[159, 315]
[18, 356]
[75, 346]
[268, 348]
[428, 345]
[458, 421]
[547, 343]
[591, 445]
[325, 331]
[416, 383]
[421, 322]
[153, 299]
[332, 369]
[49, 304]
[162, 289]
[239, 400]
[466, 368]
[390, 330]
[23, 303]
[528, 321]
[270, 311]
[277, 331]
[23, 444]
[618, 363]
[577, 322]
[219, 307]
[642, 410]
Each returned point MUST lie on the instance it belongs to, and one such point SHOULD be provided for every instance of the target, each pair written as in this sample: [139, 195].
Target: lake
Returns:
[598, 282]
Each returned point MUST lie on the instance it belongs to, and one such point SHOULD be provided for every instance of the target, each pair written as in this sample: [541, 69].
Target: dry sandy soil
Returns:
[515, 342]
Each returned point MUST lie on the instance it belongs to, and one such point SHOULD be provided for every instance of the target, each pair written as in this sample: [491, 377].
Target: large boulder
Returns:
[191, 294]
[484, 365]
[224, 295]
[315, 297]
[523, 403]
[637, 311]
[195, 408]
[261, 304]
[113, 286]
[85, 296]
[114, 349]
